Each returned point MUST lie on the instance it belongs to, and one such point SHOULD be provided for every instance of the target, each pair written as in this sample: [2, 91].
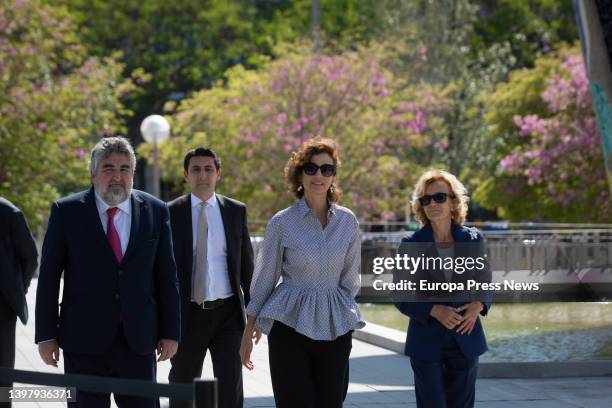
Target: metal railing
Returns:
[204, 393]
[399, 226]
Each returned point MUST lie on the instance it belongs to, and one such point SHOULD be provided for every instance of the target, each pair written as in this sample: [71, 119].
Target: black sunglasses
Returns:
[327, 170]
[438, 198]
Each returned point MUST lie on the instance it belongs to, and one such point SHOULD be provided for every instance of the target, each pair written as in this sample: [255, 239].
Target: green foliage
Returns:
[430, 42]
[531, 28]
[343, 23]
[185, 45]
[55, 103]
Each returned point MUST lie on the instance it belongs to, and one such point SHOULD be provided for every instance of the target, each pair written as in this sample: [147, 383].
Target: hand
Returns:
[256, 335]
[166, 349]
[246, 345]
[448, 316]
[469, 317]
[49, 352]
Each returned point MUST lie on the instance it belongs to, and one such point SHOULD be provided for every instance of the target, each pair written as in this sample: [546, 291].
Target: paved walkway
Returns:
[379, 378]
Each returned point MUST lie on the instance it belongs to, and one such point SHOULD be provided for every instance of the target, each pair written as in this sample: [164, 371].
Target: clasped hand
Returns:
[462, 318]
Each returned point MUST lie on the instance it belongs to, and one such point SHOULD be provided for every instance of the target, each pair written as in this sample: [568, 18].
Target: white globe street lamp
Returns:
[155, 129]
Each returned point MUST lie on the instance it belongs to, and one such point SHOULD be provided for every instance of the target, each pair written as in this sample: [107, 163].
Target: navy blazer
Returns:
[143, 289]
[425, 335]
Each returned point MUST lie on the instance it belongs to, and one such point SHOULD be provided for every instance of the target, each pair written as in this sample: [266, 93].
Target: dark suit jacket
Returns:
[143, 288]
[238, 242]
[425, 335]
[18, 258]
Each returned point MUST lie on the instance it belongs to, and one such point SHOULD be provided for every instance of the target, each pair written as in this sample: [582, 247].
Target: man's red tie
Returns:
[112, 235]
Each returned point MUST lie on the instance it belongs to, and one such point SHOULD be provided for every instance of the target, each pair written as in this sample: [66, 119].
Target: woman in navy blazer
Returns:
[445, 336]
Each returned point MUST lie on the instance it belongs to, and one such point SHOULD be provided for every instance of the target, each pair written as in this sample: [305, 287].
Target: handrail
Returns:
[204, 392]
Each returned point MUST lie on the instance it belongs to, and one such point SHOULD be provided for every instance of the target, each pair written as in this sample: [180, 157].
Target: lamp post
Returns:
[316, 25]
[155, 129]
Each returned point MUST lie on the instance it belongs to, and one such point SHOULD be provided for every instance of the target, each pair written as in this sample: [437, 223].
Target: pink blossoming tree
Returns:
[384, 126]
[551, 166]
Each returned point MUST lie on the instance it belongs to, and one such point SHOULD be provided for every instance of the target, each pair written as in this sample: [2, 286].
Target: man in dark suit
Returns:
[120, 298]
[214, 258]
[18, 261]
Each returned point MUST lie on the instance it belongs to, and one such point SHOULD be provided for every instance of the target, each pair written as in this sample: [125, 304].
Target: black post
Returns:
[205, 393]
[316, 25]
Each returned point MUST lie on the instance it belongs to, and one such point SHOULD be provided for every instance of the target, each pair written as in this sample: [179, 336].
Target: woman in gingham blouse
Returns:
[313, 249]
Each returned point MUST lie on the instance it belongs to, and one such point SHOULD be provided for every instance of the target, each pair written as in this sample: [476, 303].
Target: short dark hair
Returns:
[202, 151]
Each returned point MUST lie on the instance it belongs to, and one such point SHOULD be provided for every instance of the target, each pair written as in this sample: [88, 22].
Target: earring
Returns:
[332, 189]
[300, 187]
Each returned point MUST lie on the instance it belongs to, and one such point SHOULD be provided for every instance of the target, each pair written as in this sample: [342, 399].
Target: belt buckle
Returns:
[212, 304]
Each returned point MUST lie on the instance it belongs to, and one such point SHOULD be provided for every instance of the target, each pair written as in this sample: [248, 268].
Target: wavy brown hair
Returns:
[295, 165]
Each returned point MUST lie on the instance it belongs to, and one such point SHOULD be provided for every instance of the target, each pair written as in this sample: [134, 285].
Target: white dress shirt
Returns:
[218, 283]
[122, 219]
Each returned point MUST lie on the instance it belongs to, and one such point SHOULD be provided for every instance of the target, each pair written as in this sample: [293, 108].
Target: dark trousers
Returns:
[118, 361]
[305, 372]
[449, 382]
[220, 331]
[8, 321]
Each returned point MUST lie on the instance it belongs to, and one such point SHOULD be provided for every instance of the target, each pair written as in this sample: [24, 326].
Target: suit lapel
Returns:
[137, 203]
[227, 226]
[426, 236]
[94, 226]
[230, 242]
[456, 232]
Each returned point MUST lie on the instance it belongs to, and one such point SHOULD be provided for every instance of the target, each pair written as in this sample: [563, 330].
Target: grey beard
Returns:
[113, 196]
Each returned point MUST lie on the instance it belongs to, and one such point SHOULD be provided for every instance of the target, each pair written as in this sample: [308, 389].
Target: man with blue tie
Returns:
[120, 299]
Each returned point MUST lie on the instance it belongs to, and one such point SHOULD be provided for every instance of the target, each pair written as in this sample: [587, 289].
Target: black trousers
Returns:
[308, 373]
[449, 382]
[118, 361]
[8, 321]
[220, 331]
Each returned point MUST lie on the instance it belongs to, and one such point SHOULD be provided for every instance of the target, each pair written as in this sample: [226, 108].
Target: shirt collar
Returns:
[304, 209]
[103, 206]
[212, 200]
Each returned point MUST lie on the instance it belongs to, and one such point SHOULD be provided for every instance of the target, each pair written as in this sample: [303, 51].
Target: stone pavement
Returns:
[378, 378]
